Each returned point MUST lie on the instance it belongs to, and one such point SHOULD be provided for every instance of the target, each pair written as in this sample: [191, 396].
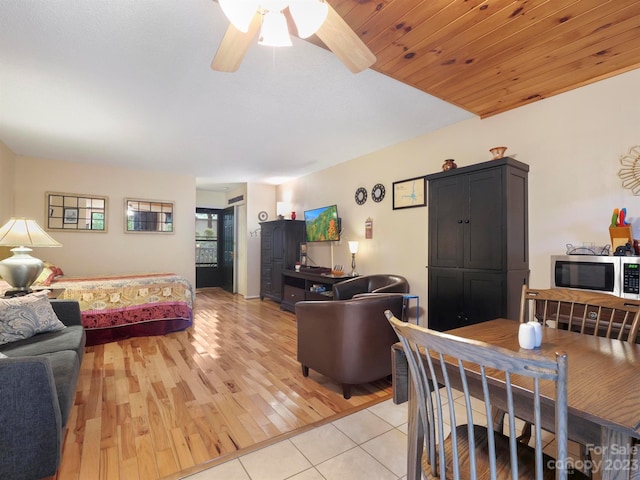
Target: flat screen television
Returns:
[322, 224]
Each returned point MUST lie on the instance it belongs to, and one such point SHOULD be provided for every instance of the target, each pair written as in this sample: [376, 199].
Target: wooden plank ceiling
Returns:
[492, 56]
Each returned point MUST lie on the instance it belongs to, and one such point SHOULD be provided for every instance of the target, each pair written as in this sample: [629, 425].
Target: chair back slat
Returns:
[590, 313]
[442, 364]
[469, 412]
[512, 437]
[488, 412]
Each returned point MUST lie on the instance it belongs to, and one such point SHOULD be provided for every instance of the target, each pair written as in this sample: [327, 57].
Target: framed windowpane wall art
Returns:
[148, 216]
[76, 212]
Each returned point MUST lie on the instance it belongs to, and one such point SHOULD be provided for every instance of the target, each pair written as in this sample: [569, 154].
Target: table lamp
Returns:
[21, 270]
[353, 248]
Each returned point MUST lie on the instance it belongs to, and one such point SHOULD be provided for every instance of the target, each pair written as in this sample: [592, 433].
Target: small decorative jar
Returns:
[449, 164]
[497, 152]
[293, 215]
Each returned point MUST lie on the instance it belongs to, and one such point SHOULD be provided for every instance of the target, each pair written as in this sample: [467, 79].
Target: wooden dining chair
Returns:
[582, 311]
[440, 362]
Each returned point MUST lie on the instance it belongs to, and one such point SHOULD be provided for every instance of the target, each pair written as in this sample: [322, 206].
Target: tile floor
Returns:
[367, 445]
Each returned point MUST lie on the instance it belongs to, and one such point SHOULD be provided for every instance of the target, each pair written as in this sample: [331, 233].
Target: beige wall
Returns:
[114, 252]
[7, 173]
[207, 199]
[572, 142]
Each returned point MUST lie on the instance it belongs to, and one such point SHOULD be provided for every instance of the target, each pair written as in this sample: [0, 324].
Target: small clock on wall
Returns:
[377, 192]
[361, 196]
[263, 216]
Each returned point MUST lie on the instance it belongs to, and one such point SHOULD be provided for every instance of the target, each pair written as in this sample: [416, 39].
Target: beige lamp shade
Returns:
[23, 232]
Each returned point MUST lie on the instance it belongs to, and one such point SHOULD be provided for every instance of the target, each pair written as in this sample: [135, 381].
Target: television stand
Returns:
[313, 269]
[310, 283]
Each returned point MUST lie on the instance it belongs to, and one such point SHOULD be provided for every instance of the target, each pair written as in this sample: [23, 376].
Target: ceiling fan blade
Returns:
[234, 45]
[338, 36]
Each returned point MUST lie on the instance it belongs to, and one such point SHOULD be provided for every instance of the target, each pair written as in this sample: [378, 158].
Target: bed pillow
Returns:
[49, 273]
[23, 317]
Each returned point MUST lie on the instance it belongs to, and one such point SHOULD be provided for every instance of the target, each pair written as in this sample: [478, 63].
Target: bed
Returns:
[118, 307]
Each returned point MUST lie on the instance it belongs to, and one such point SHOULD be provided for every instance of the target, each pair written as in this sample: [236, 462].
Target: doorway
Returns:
[214, 248]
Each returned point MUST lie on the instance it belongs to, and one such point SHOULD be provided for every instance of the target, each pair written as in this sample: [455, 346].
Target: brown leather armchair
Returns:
[348, 340]
[379, 283]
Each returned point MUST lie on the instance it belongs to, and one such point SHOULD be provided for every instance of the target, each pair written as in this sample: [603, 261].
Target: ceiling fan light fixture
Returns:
[308, 15]
[274, 31]
[239, 12]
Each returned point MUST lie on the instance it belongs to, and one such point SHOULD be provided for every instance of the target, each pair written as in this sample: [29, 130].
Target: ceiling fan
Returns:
[269, 18]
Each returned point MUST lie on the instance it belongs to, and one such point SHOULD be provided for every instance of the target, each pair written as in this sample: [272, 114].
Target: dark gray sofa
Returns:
[38, 383]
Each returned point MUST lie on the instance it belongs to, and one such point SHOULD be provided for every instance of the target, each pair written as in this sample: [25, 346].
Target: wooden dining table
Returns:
[603, 394]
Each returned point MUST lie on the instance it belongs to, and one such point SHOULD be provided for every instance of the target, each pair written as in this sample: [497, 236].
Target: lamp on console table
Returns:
[21, 270]
[353, 248]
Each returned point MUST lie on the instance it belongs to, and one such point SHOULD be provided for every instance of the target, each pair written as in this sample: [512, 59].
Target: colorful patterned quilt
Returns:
[119, 307]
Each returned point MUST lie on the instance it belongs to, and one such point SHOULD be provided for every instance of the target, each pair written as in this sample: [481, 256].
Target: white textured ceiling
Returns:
[128, 82]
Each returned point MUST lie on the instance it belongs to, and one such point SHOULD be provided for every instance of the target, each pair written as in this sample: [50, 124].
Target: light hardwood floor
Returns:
[165, 406]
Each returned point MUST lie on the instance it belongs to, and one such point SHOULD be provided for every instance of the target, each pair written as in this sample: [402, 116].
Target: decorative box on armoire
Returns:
[478, 243]
[279, 250]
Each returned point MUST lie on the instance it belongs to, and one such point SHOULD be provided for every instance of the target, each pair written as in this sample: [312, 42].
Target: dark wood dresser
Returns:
[279, 250]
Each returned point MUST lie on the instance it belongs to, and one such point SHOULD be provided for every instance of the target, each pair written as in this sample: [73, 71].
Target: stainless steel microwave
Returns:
[618, 276]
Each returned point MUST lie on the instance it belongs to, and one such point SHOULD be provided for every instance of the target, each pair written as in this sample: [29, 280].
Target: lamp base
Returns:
[21, 270]
[353, 265]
